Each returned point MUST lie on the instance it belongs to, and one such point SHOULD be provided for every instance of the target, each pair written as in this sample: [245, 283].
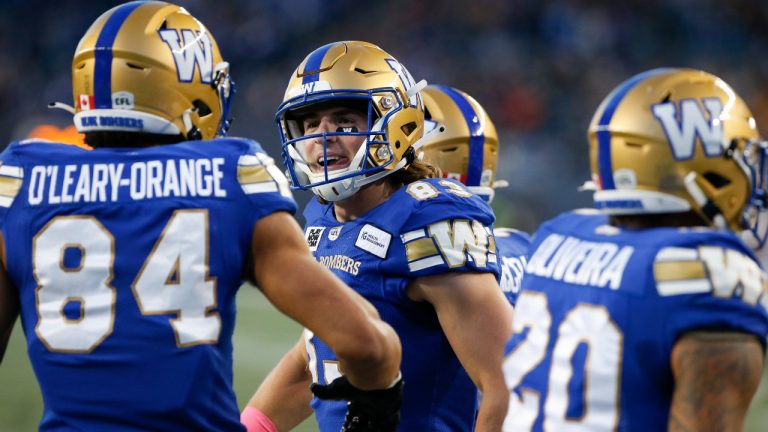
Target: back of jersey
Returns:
[600, 311]
[127, 263]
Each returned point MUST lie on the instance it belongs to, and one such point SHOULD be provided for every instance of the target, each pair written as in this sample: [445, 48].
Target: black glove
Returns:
[367, 410]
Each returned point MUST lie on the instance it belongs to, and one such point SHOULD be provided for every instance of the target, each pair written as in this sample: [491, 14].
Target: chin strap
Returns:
[416, 88]
[708, 207]
[588, 185]
[62, 106]
[426, 137]
[192, 133]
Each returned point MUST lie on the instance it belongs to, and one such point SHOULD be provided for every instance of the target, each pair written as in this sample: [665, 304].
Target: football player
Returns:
[124, 261]
[650, 312]
[468, 151]
[419, 248]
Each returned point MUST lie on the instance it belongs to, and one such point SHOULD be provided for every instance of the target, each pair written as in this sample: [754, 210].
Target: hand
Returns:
[367, 410]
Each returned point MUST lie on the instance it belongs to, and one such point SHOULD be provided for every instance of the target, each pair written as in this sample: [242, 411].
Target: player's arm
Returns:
[289, 276]
[284, 395]
[9, 302]
[716, 374]
[477, 321]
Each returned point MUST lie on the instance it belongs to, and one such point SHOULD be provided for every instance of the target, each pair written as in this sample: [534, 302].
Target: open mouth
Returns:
[331, 163]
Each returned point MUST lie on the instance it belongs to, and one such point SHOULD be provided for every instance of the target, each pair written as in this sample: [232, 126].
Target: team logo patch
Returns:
[310, 87]
[191, 51]
[122, 100]
[313, 236]
[374, 240]
[333, 234]
[687, 123]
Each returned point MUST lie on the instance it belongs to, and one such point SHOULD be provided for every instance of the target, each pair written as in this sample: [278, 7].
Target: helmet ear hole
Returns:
[202, 108]
[716, 180]
[408, 128]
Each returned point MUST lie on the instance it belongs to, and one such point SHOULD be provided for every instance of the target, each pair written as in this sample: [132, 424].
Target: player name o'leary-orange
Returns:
[111, 182]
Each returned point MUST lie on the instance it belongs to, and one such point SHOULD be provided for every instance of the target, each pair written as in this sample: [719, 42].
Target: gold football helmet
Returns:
[674, 140]
[360, 74]
[150, 67]
[468, 149]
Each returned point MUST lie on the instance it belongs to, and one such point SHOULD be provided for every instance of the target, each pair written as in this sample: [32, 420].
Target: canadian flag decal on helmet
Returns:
[196, 51]
[692, 123]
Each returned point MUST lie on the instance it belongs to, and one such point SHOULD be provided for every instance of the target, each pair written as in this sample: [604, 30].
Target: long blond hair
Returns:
[416, 170]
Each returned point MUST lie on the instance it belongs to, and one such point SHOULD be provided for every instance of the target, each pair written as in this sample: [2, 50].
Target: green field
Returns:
[262, 336]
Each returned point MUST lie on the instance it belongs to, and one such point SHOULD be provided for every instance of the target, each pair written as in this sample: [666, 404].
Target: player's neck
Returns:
[363, 201]
[677, 220]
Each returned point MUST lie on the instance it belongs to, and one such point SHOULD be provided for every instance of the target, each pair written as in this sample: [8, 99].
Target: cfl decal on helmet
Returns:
[195, 52]
[122, 100]
[692, 124]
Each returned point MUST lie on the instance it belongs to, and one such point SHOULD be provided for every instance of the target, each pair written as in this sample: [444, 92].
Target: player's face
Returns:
[341, 149]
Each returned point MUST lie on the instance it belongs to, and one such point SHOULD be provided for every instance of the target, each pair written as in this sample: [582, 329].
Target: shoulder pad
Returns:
[11, 176]
[718, 269]
[257, 173]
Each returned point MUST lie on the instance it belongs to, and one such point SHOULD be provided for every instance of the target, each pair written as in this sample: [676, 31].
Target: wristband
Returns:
[256, 421]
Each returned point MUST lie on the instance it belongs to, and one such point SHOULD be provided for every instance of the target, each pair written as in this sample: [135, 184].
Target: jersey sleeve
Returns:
[11, 179]
[262, 182]
[712, 286]
[449, 230]
[511, 249]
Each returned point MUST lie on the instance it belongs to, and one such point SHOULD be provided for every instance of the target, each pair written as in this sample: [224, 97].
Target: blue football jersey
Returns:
[511, 249]
[599, 314]
[426, 228]
[127, 262]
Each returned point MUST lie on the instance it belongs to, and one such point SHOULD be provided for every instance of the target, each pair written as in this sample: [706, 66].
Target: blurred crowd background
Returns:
[540, 68]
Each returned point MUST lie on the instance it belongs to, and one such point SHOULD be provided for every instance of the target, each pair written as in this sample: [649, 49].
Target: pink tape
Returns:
[256, 421]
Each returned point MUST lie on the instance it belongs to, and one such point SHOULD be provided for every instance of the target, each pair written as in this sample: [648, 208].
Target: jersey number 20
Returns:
[586, 325]
[173, 280]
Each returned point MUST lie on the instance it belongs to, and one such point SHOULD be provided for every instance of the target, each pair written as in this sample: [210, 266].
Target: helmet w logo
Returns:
[194, 52]
[682, 129]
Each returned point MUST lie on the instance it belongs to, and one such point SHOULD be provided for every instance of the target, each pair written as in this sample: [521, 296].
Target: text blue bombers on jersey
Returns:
[425, 228]
[511, 249]
[601, 309]
[127, 262]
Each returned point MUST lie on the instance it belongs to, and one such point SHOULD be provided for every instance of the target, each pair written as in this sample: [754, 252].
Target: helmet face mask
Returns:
[678, 140]
[151, 67]
[355, 74]
[372, 155]
[755, 215]
[468, 148]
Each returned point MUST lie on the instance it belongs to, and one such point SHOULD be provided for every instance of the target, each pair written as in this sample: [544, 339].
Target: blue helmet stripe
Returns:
[476, 135]
[314, 61]
[604, 164]
[102, 70]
